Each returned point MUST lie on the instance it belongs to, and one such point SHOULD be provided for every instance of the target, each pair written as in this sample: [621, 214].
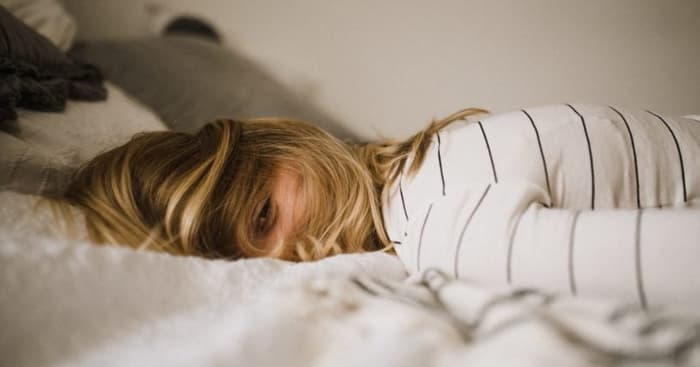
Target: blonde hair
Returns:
[199, 194]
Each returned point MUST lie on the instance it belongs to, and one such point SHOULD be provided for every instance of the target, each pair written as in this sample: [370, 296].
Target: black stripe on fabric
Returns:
[678, 148]
[403, 200]
[363, 287]
[420, 239]
[544, 161]
[572, 275]
[439, 156]
[488, 147]
[590, 154]
[634, 153]
[638, 261]
[509, 258]
[386, 286]
[464, 229]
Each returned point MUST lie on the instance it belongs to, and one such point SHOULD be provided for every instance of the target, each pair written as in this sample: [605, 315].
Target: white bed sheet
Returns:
[70, 303]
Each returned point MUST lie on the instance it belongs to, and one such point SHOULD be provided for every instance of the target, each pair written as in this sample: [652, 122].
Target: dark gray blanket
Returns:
[34, 74]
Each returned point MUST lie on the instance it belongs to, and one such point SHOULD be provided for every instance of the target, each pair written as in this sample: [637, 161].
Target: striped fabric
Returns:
[579, 199]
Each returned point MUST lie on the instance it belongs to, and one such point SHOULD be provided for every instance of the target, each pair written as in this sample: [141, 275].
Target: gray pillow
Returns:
[190, 81]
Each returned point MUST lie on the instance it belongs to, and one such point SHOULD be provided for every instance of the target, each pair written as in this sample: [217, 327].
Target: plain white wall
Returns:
[385, 68]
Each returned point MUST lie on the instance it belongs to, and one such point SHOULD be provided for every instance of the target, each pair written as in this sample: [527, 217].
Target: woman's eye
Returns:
[263, 219]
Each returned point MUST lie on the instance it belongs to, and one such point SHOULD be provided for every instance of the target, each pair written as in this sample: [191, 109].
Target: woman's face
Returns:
[281, 213]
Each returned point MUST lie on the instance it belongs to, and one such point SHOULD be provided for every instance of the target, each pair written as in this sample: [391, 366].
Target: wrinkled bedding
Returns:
[66, 302]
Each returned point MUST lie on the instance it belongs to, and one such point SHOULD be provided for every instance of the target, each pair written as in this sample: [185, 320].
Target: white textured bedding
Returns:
[66, 302]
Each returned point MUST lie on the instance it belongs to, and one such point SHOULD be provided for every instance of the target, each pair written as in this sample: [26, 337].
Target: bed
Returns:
[67, 302]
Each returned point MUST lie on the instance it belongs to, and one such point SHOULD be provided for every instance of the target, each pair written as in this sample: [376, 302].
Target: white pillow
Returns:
[31, 216]
[40, 150]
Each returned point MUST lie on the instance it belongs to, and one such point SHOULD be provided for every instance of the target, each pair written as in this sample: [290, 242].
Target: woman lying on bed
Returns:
[571, 198]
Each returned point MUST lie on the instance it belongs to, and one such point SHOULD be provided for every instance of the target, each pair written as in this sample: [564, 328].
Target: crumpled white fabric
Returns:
[67, 302]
